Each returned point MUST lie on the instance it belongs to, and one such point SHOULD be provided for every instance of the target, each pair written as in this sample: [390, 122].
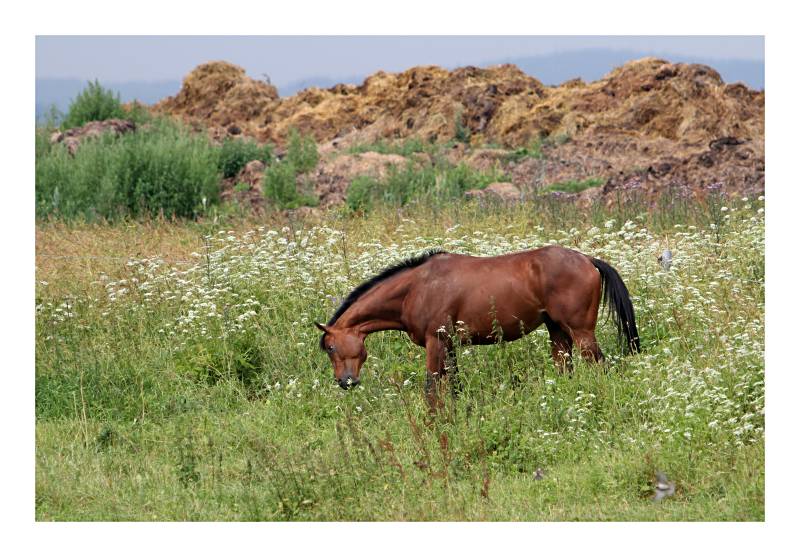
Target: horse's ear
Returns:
[321, 327]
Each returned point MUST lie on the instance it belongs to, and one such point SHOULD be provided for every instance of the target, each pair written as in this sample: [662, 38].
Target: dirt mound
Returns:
[646, 114]
[427, 102]
[649, 97]
[423, 101]
[219, 94]
[73, 137]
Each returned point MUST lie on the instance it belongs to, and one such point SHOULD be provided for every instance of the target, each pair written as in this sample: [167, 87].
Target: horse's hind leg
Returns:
[560, 345]
[587, 344]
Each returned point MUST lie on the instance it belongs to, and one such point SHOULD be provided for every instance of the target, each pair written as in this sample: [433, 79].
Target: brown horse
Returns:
[482, 300]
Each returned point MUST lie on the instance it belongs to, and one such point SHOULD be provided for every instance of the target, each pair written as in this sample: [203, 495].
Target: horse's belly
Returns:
[505, 325]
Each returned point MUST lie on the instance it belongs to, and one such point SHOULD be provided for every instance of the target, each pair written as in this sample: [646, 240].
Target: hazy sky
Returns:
[287, 59]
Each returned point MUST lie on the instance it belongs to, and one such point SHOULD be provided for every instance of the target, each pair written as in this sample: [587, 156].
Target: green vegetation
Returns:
[51, 119]
[302, 152]
[281, 180]
[235, 153]
[281, 188]
[93, 103]
[189, 385]
[574, 186]
[162, 169]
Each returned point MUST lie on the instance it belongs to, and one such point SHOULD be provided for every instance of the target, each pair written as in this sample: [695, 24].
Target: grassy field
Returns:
[178, 375]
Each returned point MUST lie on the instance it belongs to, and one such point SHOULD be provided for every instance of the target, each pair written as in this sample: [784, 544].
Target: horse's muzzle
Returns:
[347, 382]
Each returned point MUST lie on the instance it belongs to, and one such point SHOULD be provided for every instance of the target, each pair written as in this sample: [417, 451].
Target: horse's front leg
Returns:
[436, 363]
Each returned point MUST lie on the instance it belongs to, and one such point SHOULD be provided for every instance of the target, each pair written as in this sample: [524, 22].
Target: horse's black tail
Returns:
[618, 302]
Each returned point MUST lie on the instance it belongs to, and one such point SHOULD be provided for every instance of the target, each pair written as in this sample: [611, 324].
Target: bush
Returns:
[360, 193]
[302, 152]
[280, 186]
[93, 103]
[236, 153]
[160, 169]
[280, 180]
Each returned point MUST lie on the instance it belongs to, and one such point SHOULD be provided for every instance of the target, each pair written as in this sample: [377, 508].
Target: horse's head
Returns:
[345, 348]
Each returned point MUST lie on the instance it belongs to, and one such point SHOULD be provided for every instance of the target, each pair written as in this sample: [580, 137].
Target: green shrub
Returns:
[93, 103]
[236, 153]
[159, 169]
[280, 180]
[280, 187]
[360, 193]
[238, 358]
[302, 152]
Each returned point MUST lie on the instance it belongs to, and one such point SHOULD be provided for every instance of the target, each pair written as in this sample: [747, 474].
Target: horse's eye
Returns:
[331, 349]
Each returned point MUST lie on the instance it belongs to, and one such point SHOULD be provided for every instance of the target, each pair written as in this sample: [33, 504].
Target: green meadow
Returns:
[178, 374]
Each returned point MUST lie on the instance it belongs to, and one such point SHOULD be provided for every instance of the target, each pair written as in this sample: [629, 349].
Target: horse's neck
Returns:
[379, 309]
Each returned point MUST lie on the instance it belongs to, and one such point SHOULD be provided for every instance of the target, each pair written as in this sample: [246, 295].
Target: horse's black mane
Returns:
[360, 290]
